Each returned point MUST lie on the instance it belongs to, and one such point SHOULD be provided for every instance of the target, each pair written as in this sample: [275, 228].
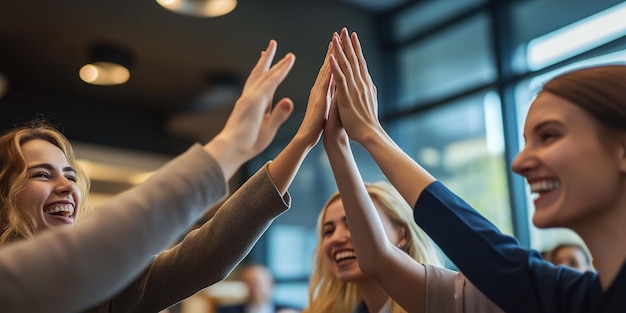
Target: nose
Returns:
[523, 162]
[341, 234]
[65, 186]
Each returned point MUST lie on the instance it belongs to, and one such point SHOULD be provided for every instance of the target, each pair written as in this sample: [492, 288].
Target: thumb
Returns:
[280, 113]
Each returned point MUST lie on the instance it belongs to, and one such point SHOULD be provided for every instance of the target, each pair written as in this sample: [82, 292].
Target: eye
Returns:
[43, 175]
[548, 136]
[71, 178]
[328, 231]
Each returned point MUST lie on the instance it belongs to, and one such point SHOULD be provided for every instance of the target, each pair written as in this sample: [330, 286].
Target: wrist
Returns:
[374, 138]
[227, 155]
[305, 141]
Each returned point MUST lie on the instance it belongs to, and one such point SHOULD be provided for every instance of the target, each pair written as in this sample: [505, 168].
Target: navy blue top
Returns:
[515, 278]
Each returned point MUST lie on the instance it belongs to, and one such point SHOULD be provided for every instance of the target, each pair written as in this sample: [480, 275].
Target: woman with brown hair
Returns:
[574, 160]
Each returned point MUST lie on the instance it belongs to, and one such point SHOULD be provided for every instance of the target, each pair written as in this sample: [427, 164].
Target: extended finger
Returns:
[342, 73]
[324, 72]
[272, 78]
[264, 62]
[277, 117]
[356, 43]
[318, 91]
[341, 59]
[348, 49]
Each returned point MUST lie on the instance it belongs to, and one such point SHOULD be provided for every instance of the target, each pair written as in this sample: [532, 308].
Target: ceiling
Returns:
[175, 61]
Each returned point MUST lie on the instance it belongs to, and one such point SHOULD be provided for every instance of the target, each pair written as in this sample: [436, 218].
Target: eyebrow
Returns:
[546, 123]
[51, 168]
[542, 125]
[344, 219]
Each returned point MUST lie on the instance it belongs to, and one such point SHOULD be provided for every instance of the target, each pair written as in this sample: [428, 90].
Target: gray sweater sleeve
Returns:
[207, 254]
[69, 269]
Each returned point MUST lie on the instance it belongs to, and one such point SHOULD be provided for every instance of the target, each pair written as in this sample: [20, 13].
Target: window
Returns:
[461, 143]
[456, 59]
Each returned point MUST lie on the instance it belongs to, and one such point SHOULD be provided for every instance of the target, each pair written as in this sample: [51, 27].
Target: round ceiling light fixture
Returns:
[109, 65]
[199, 8]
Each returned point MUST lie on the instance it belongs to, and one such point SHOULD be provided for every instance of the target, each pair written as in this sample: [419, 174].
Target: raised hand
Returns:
[335, 136]
[284, 168]
[358, 108]
[312, 125]
[253, 122]
[356, 92]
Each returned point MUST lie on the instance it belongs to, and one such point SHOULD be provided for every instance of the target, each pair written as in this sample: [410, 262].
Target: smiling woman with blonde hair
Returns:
[18, 223]
[337, 283]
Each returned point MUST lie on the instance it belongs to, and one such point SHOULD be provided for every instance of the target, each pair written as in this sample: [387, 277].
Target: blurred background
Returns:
[134, 83]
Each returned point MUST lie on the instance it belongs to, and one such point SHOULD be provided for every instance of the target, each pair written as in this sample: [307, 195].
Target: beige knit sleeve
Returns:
[450, 292]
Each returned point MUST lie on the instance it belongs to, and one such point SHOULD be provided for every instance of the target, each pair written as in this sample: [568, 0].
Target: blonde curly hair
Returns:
[14, 223]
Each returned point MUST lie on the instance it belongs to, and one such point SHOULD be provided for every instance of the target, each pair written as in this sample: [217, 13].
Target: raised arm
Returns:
[390, 267]
[358, 108]
[209, 253]
[286, 164]
[97, 257]
[492, 261]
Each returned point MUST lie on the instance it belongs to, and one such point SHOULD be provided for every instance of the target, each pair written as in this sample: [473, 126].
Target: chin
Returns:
[350, 277]
[544, 221]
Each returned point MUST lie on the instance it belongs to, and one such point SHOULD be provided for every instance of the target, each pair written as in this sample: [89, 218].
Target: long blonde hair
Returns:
[329, 294]
[14, 223]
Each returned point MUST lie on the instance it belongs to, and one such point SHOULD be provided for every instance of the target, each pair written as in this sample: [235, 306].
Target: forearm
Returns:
[404, 173]
[100, 255]
[228, 158]
[285, 166]
[366, 228]
[390, 267]
[208, 254]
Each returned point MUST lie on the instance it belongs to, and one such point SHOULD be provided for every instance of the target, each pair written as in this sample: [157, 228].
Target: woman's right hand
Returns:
[356, 92]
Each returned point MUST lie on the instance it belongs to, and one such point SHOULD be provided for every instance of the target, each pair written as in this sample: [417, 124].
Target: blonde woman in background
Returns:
[337, 283]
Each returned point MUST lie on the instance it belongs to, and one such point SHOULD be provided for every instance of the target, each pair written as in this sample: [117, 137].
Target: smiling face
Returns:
[570, 163]
[50, 196]
[339, 253]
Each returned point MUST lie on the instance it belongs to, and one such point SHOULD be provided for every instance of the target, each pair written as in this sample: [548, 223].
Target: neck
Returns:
[374, 296]
[606, 246]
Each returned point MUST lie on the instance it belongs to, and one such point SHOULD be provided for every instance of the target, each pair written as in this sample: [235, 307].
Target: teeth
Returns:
[544, 186]
[344, 255]
[66, 209]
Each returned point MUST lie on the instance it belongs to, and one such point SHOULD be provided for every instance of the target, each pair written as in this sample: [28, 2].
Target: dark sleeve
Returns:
[69, 269]
[515, 278]
[209, 253]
